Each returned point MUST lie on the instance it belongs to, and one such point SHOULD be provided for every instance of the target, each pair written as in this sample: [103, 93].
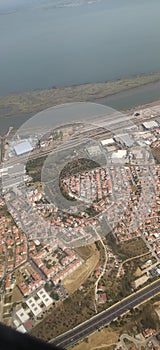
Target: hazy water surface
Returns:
[43, 45]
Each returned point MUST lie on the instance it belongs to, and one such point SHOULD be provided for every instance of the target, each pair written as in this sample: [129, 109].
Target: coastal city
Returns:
[112, 192]
[80, 174]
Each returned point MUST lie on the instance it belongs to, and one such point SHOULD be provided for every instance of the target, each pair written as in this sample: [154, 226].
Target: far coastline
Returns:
[34, 101]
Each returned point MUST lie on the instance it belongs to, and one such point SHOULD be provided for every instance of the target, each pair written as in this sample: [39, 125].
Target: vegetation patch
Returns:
[156, 154]
[78, 277]
[78, 166]
[34, 168]
[127, 249]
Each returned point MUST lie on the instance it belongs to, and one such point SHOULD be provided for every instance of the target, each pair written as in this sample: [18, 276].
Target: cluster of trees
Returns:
[78, 166]
[57, 135]
[34, 167]
[54, 295]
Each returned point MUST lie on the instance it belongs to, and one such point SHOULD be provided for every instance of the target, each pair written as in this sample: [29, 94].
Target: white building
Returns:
[119, 156]
[33, 306]
[107, 142]
[45, 298]
[150, 124]
[21, 329]
[22, 315]
[22, 147]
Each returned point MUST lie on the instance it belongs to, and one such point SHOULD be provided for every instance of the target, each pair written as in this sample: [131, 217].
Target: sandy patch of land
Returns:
[156, 154]
[77, 278]
[16, 295]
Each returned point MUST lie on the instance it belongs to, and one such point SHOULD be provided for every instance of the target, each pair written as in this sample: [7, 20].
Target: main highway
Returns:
[105, 317]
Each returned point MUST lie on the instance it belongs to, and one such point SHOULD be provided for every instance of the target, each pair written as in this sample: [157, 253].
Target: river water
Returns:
[43, 45]
[53, 43]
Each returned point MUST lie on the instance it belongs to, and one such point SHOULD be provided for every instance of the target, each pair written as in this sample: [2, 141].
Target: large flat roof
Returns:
[23, 147]
[150, 124]
[44, 296]
[22, 315]
[34, 307]
[107, 142]
[126, 139]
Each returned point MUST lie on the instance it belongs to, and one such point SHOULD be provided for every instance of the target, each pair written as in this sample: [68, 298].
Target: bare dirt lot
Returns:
[156, 154]
[91, 256]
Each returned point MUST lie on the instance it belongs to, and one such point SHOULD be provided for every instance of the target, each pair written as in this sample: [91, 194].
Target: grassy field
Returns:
[104, 339]
[91, 256]
[16, 295]
[35, 101]
[85, 252]
[126, 249]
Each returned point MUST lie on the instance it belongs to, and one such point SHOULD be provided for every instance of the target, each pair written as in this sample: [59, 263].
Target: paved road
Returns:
[105, 317]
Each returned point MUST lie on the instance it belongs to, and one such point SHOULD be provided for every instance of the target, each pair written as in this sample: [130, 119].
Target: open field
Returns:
[156, 154]
[126, 250]
[85, 252]
[16, 295]
[78, 277]
[103, 339]
[35, 101]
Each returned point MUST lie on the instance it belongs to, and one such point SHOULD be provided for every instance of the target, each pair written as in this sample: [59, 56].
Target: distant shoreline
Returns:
[37, 100]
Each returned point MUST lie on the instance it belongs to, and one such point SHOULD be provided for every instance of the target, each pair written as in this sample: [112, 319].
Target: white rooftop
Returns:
[107, 142]
[121, 153]
[37, 242]
[151, 124]
[21, 329]
[22, 315]
[44, 296]
[34, 307]
[22, 147]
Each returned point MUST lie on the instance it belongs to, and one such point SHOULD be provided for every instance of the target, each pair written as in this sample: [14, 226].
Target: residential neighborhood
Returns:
[38, 239]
